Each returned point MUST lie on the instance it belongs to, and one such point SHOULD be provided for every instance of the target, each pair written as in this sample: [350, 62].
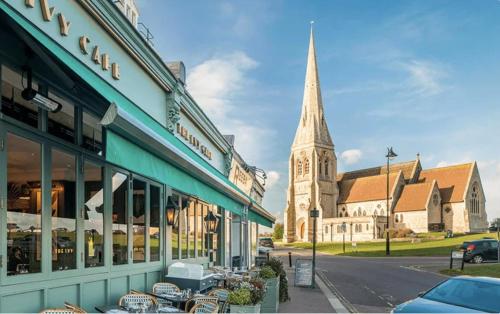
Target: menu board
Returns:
[303, 272]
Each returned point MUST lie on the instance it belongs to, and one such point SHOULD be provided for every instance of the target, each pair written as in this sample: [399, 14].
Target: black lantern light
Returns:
[172, 210]
[211, 222]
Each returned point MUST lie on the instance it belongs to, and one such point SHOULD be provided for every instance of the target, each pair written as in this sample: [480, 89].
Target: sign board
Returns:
[303, 272]
[457, 256]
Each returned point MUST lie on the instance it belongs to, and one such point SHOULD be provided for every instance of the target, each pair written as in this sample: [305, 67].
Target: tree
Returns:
[278, 231]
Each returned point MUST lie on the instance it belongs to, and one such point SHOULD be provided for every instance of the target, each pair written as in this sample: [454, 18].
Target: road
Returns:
[375, 284]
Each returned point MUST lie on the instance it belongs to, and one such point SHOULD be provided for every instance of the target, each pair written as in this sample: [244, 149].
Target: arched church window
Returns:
[340, 215]
[320, 168]
[355, 214]
[364, 213]
[396, 218]
[375, 213]
[367, 227]
[401, 218]
[299, 167]
[326, 229]
[359, 212]
[346, 214]
[306, 166]
[474, 202]
[382, 213]
[327, 171]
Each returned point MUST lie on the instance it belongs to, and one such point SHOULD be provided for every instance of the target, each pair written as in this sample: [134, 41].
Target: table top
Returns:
[154, 309]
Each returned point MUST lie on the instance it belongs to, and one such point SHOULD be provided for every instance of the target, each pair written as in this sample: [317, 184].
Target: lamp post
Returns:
[314, 214]
[390, 156]
[344, 229]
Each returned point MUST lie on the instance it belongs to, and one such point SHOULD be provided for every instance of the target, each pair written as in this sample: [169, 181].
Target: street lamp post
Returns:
[390, 156]
[344, 227]
[314, 214]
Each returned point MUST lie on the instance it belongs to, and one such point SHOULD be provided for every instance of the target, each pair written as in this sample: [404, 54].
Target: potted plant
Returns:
[277, 266]
[270, 301]
[246, 296]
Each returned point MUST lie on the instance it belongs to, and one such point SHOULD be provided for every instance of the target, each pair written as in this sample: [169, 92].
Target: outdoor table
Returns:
[120, 309]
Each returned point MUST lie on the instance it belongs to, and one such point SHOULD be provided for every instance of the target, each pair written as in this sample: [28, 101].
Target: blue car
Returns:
[457, 295]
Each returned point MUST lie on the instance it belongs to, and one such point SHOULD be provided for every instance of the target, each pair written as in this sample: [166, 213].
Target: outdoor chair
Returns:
[57, 311]
[199, 299]
[160, 288]
[136, 299]
[74, 308]
[205, 307]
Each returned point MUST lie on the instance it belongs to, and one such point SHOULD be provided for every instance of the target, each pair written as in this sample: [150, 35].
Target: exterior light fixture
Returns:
[211, 222]
[172, 210]
[32, 95]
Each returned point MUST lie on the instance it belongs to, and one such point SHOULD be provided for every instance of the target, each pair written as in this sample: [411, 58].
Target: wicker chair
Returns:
[57, 311]
[74, 308]
[199, 299]
[222, 295]
[205, 308]
[165, 288]
[134, 299]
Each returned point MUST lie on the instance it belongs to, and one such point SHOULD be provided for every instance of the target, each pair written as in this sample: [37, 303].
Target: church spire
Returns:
[312, 127]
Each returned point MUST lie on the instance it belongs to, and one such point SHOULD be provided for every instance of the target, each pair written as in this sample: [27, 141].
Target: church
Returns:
[353, 205]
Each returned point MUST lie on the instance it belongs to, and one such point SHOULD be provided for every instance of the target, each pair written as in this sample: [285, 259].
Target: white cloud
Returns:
[426, 78]
[351, 156]
[272, 178]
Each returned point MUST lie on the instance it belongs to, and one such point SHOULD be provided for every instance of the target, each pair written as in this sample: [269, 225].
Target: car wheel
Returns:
[478, 259]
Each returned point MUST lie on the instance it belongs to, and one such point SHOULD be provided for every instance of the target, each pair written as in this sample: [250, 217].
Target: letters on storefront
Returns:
[184, 133]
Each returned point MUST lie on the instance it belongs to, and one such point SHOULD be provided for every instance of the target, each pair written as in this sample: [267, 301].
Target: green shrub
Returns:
[267, 272]
[277, 266]
[241, 296]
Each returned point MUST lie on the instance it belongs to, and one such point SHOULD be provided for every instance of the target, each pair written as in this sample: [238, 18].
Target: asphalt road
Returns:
[376, 284]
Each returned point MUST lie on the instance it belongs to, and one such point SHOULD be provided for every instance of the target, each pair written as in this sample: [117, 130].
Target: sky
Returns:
[420, 76]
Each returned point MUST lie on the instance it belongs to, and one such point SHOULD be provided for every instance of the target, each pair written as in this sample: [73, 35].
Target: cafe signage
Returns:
[184, 133]
[84, 41]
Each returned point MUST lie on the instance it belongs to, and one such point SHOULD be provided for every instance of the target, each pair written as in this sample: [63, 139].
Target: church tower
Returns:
[312, 164]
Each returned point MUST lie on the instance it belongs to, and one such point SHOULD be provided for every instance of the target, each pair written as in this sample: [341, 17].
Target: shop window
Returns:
[24, 206]
[120, 205]
[205, 231]
[175, 230]
[94, 215]
[139, 221]
[199, 228]
[183, 227]
[62, 122]
[154, 224]
[13, 104]
[92, 133]
[191, 214]
[63, 205]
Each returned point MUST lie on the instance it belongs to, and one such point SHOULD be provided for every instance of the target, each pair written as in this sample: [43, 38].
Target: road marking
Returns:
[416, 268]
[339, 303]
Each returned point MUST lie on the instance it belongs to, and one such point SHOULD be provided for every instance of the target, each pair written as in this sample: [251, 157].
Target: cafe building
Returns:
[109, 169]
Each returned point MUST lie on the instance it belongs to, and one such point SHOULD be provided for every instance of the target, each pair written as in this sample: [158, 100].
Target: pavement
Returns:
[368, 285]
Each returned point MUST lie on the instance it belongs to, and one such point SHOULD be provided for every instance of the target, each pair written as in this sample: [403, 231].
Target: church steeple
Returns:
[312, 127]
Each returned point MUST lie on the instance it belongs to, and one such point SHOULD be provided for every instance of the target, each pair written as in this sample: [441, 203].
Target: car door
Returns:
[493, 251]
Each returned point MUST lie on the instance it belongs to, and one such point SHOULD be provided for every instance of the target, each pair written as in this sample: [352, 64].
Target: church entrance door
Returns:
[302, 230]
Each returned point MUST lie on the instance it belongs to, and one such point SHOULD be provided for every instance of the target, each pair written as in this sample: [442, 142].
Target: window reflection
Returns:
[63, 205]
[206, 238]
[94, 212]
[183, 227]
[154, 225]
[92, 133]
[62, 122]
[120, 200]
[138, 221]
[191, 227]
[24, 204]
[175, 231]
[199, 228]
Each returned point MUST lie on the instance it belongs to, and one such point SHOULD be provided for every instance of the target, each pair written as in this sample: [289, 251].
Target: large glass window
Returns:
[94, 215]
[24, 206]
[120, 205]
[183, 227]
[175, 230]
[92, 133]
[63, 207]
[206, 238]
[227, 237]
[13, 104]
[154, 225]
[199, 228]
[191, 227]
[138, 221]
[62, 122]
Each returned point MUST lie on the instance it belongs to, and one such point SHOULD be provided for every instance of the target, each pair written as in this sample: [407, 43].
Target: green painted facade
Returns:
[143, 76]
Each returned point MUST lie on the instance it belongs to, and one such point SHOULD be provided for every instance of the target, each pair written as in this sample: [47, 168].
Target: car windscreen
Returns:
[266, 242]
[473, 294]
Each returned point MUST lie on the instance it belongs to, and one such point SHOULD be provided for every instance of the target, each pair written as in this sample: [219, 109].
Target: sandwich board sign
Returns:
[303, 272]
[457, 256]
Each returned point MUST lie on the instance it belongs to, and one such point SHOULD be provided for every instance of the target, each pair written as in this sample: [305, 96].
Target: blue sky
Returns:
[421, 76]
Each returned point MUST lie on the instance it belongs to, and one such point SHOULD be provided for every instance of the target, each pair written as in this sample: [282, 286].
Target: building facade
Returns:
[354, 205]
[98, 135]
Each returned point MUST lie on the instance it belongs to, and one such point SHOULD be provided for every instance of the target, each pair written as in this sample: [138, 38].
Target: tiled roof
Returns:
[366, 188]
[452, 181]
[414, 197]
[406, 167]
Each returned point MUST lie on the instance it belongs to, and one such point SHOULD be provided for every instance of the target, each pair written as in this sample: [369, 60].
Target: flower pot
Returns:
[244, 308]
[270, 302]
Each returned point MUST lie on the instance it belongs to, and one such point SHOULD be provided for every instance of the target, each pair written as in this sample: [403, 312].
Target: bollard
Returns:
[290, 259]
[267, 256]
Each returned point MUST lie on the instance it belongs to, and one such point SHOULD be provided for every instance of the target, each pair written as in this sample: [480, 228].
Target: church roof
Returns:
[312, 127]
[452, 181]
[414, 197]
[365, 188]
[407, 167]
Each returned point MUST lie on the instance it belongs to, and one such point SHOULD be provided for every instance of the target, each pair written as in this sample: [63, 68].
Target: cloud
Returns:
[425, 77]
[351, 156]
[272, 178]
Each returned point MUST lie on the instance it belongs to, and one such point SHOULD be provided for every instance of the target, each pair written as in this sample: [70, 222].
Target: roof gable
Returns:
[414, 197]
[452, 181]
[366, 188]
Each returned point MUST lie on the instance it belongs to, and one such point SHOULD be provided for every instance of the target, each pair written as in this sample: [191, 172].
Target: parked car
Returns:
[266, 245]
[479, 251]
[457, 295]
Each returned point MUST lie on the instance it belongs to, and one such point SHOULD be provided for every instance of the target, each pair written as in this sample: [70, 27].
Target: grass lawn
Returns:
[492, 270]
[423, 246]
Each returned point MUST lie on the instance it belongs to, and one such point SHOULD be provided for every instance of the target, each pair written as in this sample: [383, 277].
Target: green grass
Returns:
[424, 246]
[480, 270]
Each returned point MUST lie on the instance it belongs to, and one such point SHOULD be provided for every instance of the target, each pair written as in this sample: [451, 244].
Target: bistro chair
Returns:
[205, 307]
[134, 299]
[57, 311]
[74, 308]
[222, 295]
[199, 299]
[160, 288]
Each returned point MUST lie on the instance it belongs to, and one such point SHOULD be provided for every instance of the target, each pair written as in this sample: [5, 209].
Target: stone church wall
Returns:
[417, 221]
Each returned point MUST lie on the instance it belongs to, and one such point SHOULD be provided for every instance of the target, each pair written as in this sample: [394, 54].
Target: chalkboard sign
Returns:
[457, 256]
[303, 272]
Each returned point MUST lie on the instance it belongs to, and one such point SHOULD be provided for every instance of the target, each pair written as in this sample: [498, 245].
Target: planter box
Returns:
[270, 302]
[244, 308]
